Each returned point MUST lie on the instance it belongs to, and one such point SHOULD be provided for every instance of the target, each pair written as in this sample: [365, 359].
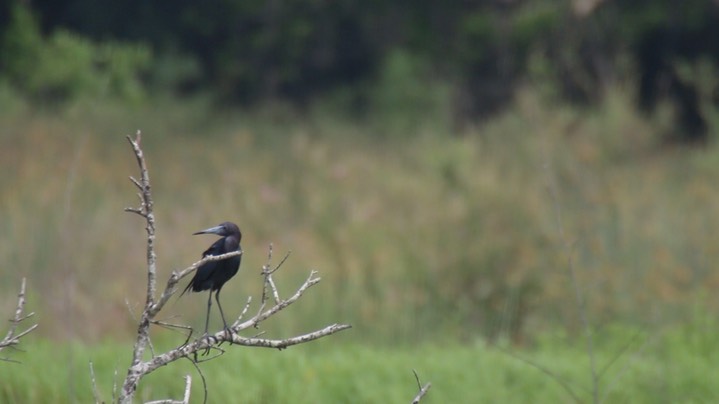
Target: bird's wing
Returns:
[215, 248]
[205, 271]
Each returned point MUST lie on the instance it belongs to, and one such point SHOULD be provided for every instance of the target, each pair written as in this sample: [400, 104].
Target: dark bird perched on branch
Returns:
[213, 275]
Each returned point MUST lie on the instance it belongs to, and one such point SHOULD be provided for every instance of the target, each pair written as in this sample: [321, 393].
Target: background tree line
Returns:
[477, 52]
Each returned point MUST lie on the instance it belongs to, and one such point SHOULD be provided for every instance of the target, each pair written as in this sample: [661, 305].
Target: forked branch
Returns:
[13, 336]
[140, 367]
[422, 389]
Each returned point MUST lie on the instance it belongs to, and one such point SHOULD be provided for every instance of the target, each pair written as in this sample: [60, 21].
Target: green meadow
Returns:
[472, 255]
[634, 367]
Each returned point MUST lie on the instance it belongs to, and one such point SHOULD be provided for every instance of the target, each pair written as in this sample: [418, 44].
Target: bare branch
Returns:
[136, 182]
[284, 343]
[222, 336]
[244, 310]
[212, 341]
[139, 367]
[185, 398]
[176, 277]
[261, 316]
[135, 210]
[12, 338]
[422, 390]
[267, 272]
[188, 389]
[146, 211]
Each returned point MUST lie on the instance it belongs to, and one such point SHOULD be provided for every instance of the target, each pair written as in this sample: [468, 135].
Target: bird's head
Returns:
[222, 229]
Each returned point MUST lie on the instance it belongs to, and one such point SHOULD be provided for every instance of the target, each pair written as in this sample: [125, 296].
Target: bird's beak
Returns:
[211, 230]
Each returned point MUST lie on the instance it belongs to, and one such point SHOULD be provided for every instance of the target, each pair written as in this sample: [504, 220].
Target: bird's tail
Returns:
[188, 287]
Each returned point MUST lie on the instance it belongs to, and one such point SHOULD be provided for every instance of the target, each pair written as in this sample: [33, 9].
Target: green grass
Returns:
[675, 365]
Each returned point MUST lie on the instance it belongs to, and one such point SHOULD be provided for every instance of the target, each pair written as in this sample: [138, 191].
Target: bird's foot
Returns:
[228, 335]
[208, 338]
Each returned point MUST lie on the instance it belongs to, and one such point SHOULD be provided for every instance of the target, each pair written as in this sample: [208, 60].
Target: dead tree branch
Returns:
[12, 338]
[140, 367]
[422, 389]
[185, 398]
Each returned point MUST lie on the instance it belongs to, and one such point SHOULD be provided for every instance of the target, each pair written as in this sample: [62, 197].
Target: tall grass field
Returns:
[480, 257]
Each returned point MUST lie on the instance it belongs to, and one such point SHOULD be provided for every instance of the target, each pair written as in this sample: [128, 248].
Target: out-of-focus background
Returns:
[469, 178]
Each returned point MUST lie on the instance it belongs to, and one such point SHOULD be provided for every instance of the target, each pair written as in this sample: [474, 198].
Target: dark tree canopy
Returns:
[247, 51]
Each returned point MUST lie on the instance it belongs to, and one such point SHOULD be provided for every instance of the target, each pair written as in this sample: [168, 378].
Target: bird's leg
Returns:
[228, 331]
[207, 319]
[207, 322]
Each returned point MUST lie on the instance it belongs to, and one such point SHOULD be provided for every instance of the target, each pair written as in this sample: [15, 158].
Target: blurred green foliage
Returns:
[405, 100]
[65, 66]
[478, 54]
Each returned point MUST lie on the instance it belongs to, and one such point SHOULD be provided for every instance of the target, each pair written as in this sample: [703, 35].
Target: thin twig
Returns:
[565, 385]
[12, 338]
[173, 327]
[185, 398]
[422, 389]
[268, 281]
[244, 310]
[267, 273]
[262, 315]
[619, 354]
[202, 377]
[136, 182]
[609, 386]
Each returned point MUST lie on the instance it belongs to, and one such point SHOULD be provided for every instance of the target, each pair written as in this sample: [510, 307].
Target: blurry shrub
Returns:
[120, 66]
[176, 71]
[703, 74]
[534, 22]
[66, 66]
[12, 104]
[20, 43]
[407, 99]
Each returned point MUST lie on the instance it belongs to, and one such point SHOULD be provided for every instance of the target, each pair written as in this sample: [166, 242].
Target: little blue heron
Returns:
[213, 275]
